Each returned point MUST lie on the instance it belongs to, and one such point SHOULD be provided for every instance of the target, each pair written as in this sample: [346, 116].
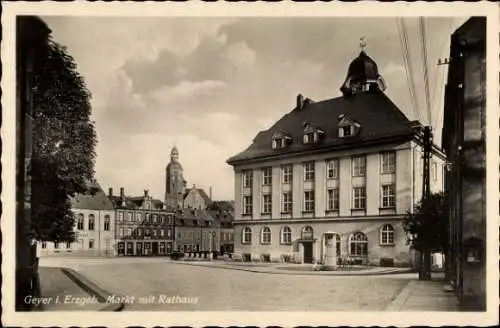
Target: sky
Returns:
[209, 85]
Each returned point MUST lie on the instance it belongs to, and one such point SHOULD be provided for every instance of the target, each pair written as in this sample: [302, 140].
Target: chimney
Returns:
[110, 193]
[300, 101]
[194, 186]
[146, 193]
[122, 196]
[210, 193]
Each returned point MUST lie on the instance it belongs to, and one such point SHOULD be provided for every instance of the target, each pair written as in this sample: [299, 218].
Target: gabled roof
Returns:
[193, 218]
[96, 201]
[375, 112]
[134, 203]
[202, 192]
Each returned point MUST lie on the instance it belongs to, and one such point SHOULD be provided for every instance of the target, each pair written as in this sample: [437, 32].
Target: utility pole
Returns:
[425, 256]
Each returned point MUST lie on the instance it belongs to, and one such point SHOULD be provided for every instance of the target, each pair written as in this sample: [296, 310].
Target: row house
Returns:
[347, 168]
[143, 225]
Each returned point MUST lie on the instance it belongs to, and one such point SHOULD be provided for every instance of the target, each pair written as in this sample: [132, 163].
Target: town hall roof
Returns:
[202, 193]
[95, 200]
[378, 117]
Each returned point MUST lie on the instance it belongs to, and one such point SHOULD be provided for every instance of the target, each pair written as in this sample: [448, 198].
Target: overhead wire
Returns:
[425, 70]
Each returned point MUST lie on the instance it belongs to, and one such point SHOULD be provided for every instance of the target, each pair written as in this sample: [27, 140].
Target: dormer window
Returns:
[347, 127]
[311, 134]
[281, 140]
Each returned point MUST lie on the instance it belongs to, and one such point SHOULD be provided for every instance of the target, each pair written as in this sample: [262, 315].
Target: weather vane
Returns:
[362, 43]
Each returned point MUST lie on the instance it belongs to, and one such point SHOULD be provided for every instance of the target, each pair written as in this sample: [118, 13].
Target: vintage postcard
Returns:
[250, 164]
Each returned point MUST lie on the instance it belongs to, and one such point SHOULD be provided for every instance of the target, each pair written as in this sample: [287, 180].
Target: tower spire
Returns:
[362, 43]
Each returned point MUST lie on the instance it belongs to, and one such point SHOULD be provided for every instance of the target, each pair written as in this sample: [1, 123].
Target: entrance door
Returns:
[155, 248]
[308, 252]
[138, 249]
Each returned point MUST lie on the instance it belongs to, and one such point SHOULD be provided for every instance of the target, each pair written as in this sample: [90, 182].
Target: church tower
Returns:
[174, 181]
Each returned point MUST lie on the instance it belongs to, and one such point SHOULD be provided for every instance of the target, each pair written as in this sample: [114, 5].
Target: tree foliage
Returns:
[427, 227]
[221, 206]
[64, 141]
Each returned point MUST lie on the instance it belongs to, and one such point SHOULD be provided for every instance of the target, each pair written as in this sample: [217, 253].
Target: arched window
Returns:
[358, 244]
[246, 238]
[91, 222]
[79, 221]
[387, 235]
[286, 235]
[265, 235]
[107, 222]
[307, 232]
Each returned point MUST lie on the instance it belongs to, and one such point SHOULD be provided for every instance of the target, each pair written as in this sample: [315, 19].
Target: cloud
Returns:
[240, 55]
[185, 89]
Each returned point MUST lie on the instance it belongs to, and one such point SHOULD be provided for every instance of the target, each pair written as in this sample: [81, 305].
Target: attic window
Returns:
[311, 134]
[281, 140]
[347, 127]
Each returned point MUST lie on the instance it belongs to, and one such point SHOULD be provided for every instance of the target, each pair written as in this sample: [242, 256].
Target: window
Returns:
[276, 143]
[44, 244]
[161, 219]
[155, 218]
[267, 176]
[309, 171]
[388, 196]
[309, 201]
[287, 171]
[154, 232]
[138, 217]
[358, 244]
[359, 166]
[91, 243]
[68, 245]
[91, 222]
[346, 131]
[79, 221]
[162, 233]
[287, 202]
[388, 162]
[286, 235]
[56, 245]
[121, 232]
[265, 237]
[332, 169]
[333, 200]
[169, 233]
[387, 235]
[146, 232]
[120, 216]
[247, 179]
[129, 231]
[359, 198]
[247, 205]
[107, 222]
[139, 231]
[434, 171]
[129, 217]
[267, 204]
[247, 236]
[308, 138]
[147, 218]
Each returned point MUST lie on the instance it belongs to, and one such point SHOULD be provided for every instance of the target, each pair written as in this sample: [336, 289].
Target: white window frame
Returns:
[267, 176]
[287, 173]
[265, 236]
[91, 220]
[362, 241]
[107, 223]
[120, 216]
[309, 202]
[275, 143]
[247, 178]
[309, 171]
[332, 199]
[287, 202]
[359, 166]
[388, 196]
[286, 235]
[246, 236]
[129, 232]
[121, 232]
[129, 216]
[388, 162]
[434, 171]
[267, 204]
[358, 198]
[247, 204]
[332, 169]
[80, 220]
[387, 235]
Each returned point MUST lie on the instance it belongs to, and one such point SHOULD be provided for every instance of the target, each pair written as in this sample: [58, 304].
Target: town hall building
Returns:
[345, 170]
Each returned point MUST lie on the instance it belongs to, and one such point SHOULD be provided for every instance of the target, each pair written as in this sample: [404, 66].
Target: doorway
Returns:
[308, 252]
[155, 248]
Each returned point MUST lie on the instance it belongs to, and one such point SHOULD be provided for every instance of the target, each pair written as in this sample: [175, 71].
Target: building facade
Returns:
[196, 232]
[464, 143]
[144, 227]
[347, 168]
[196, 198]
[94, 228]
[225, 229]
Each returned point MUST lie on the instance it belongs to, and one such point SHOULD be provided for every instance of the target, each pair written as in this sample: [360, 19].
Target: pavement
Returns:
[64, 289]
[425, 296]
